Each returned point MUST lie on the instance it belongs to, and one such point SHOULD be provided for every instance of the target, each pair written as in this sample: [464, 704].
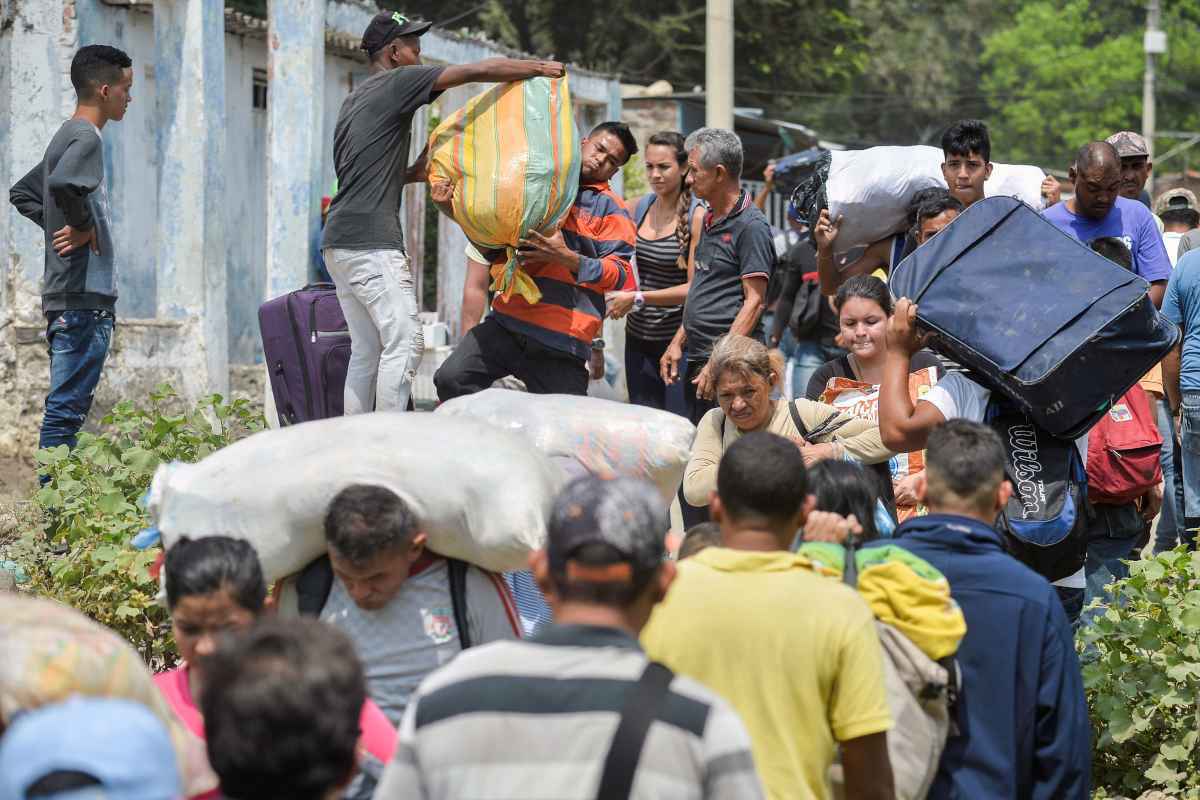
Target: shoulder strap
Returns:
[313, 585]
[829, 426]
[850, 563]
[799, 423]
[457, 570]
[642, 208]
[640, 709]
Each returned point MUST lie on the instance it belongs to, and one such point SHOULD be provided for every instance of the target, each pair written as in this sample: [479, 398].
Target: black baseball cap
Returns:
[626, 516]
[386, 26]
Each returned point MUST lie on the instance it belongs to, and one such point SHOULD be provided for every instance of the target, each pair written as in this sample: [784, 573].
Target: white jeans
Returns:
[375, 290]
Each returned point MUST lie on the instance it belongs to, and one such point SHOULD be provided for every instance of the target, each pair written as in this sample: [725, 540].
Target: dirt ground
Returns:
[17, 484]
[17, 480]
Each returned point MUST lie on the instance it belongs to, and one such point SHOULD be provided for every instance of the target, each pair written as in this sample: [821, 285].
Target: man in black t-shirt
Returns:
[363, 243]
[734, 259]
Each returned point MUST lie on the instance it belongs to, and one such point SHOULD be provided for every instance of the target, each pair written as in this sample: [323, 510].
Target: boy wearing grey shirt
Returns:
[65, 196]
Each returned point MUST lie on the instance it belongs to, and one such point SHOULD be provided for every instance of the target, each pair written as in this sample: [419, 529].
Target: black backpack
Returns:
[315, 581]
[1046, 520]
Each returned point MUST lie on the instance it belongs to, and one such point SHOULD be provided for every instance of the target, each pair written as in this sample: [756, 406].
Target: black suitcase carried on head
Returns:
[1035, 314]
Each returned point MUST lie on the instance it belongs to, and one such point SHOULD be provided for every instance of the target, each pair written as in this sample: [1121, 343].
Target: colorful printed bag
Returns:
[512, 154]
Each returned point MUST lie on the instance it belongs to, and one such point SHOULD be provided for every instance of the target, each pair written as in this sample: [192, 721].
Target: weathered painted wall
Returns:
[296, 73]
[33, 89]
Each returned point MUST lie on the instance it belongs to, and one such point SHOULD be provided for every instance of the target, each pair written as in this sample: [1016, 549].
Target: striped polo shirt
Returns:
[571, 311]
[535, 719]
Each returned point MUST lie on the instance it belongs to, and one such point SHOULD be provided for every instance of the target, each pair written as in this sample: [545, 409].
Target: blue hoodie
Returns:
[1022, 714]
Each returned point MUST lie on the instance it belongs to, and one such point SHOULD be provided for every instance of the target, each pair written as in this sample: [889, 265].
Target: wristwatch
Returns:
[639, 301]
[597, 344]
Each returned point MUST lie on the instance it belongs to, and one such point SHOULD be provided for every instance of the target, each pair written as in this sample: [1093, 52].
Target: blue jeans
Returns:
[1111, 539]
[78, 342]
[1170, 524]
[1189, 465]
[1072, 602]
[643, 379]
[803, 359]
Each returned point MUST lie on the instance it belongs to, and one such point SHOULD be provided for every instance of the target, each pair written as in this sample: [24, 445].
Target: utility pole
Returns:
[718, 64]
[1154, 44]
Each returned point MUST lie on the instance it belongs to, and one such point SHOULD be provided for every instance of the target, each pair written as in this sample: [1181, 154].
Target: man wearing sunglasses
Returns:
[363, 243]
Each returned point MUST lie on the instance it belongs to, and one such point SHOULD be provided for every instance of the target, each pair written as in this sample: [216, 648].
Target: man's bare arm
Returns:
[497, 70]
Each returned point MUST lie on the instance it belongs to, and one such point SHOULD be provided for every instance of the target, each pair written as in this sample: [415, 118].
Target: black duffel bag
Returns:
[1035, 314]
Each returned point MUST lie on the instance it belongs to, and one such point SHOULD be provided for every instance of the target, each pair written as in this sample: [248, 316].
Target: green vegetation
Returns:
[1142, 676]
[92, 507]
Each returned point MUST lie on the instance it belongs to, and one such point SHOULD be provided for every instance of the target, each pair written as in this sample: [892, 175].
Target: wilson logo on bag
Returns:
[1123, 451]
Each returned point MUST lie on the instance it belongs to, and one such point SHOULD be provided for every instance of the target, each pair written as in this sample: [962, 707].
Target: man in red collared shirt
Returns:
[547, 344]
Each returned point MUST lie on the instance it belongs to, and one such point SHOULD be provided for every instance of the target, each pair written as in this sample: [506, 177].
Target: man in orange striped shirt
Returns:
[547, 344]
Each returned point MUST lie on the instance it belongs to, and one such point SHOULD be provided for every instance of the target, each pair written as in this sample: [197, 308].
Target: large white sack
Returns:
[871, 189]
[1017, 180]
[480, 493]
[607, 438]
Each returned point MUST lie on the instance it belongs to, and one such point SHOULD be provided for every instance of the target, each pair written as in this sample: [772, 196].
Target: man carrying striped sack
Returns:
[548, 344]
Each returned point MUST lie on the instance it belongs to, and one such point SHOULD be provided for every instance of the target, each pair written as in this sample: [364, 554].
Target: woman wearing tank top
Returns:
[668, 228]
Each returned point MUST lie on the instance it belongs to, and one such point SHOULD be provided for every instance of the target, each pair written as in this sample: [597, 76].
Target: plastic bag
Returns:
[512, 154]
[607, 438]
[52, 652]
[871, 189]
[481, 494]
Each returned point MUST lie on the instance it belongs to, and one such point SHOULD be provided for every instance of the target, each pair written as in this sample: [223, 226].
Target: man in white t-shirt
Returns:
[905, 426]
[1177, 208]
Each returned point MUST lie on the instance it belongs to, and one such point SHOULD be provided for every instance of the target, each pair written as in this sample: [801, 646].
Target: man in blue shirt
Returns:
[1097, 210]
[1022, 718]
[1181, 378]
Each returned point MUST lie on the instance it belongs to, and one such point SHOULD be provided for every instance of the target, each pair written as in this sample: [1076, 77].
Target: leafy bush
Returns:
[92, 508]
[1142, 676]
[633, 176]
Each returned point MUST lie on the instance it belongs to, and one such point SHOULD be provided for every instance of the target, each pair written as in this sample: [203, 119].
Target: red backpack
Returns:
[1123, 451]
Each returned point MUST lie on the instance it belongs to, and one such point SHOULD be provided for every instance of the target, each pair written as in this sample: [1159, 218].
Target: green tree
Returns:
[778, 48]
[257, 8]
[918, 69]
[1070, 71]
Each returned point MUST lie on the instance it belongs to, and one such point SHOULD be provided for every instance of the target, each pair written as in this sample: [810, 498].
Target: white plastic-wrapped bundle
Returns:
[481, 494]
[608, 439]
[871, 189]
[1017, 180]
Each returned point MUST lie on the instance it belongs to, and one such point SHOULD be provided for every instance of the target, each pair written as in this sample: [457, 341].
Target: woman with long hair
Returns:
[851, 382]
[668, 226]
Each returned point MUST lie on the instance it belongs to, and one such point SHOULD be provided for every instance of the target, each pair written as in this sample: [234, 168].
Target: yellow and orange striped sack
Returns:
[512, 154]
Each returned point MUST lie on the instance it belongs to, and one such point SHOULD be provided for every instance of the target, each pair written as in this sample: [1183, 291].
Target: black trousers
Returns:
[646, 386]
[489, 352]
[695, 406]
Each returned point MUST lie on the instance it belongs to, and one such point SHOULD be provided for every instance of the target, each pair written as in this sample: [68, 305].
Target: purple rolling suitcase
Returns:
[306, 345]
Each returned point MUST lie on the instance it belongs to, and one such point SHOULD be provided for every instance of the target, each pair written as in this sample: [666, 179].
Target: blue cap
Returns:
[120, 743]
